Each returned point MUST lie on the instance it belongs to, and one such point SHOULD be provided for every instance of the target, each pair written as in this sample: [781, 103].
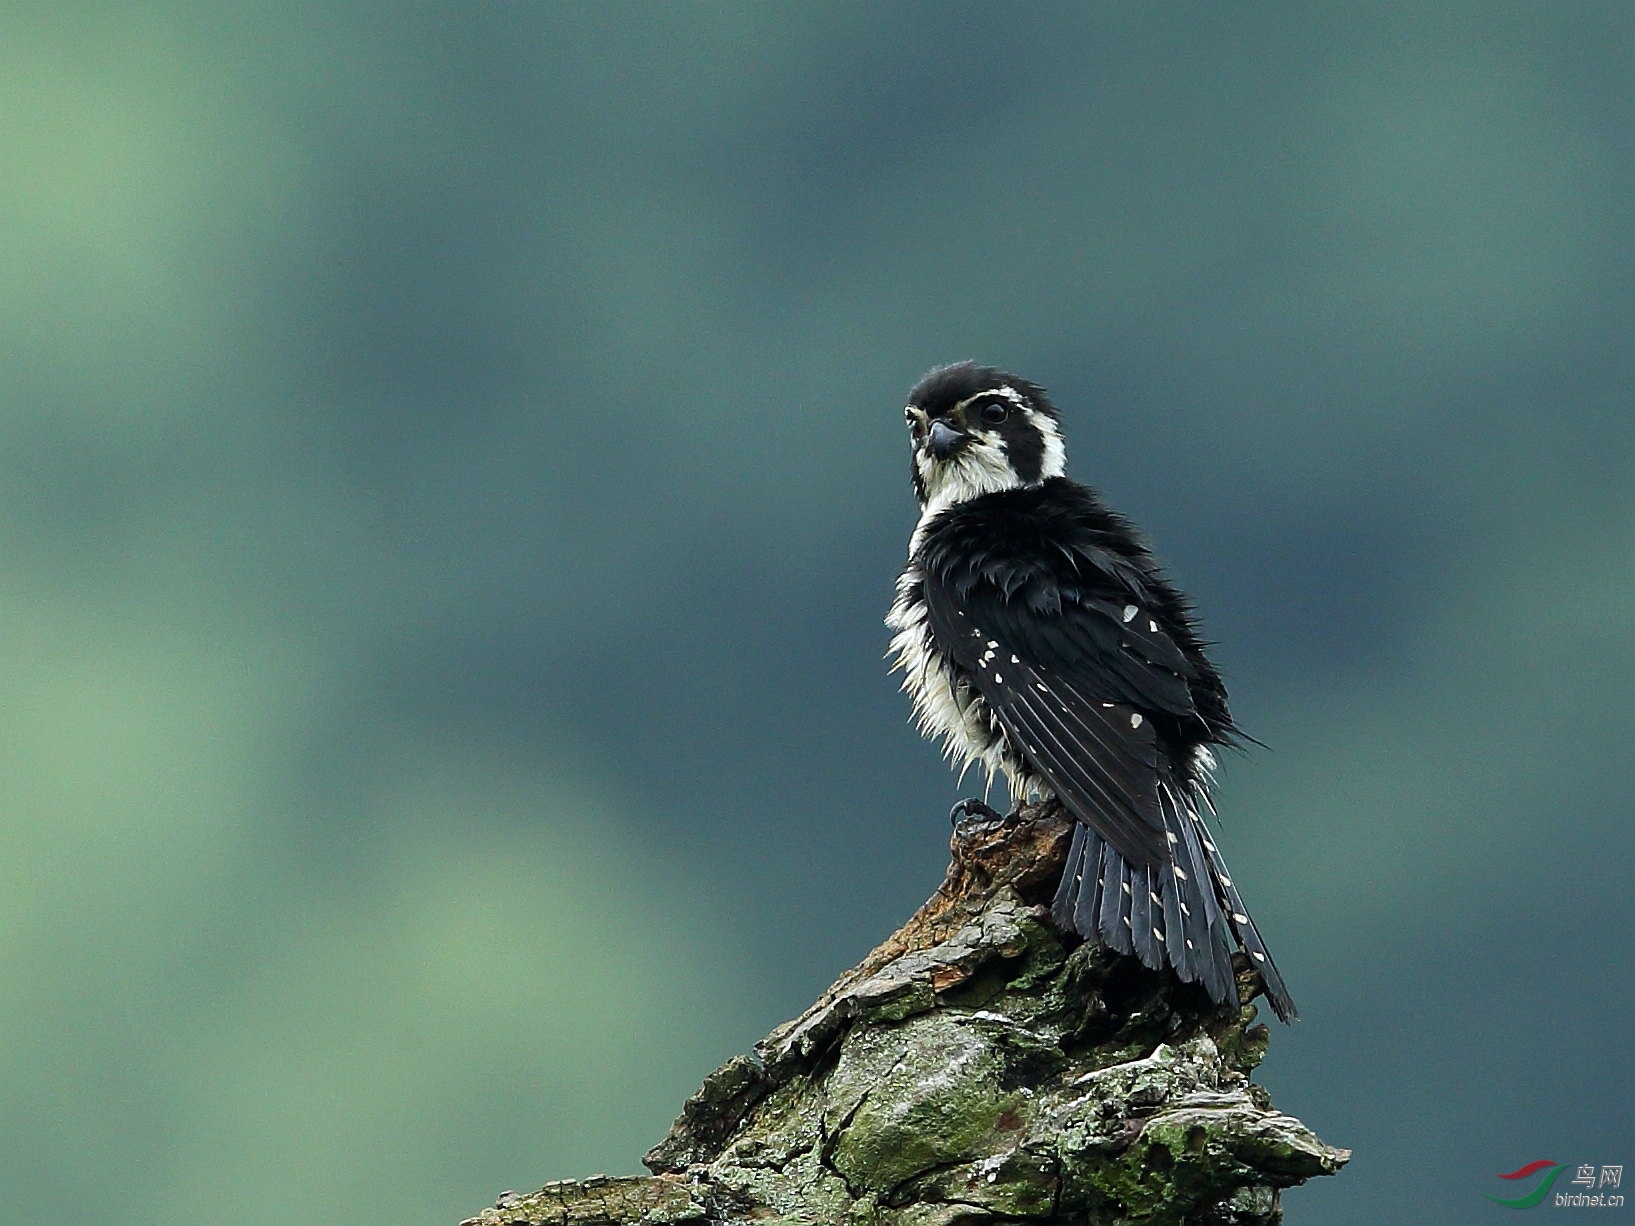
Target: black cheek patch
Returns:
[1025, 447]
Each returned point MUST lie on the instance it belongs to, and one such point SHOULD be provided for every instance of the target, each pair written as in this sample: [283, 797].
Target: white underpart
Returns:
[945, 709]
[1203, 769]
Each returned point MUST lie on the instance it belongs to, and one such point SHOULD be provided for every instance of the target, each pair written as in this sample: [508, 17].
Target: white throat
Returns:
[981, 467]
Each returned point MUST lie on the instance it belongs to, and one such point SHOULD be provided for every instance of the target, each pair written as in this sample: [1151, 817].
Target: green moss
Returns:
[931, 1096]
[1017, 1183]
[914, 996]
[1040, 1086]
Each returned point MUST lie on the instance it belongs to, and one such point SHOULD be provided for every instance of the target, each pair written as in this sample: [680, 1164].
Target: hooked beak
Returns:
[943, 440]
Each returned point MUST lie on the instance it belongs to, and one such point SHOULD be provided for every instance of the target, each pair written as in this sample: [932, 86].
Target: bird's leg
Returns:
[972, 815]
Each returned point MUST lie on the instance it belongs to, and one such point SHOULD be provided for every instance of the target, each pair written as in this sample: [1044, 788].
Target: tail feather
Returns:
[1186, 914]
[1244, 928]
[1212, 942]
[1178, 945]
[1143, 931]
[1076, 884]
[1113, 916]
[1093, 873]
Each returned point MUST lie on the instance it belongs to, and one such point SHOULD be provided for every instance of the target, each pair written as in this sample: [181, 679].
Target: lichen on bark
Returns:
[977, 1067]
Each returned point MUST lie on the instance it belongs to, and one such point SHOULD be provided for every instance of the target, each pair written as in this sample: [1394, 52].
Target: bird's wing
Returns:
[1075, 681]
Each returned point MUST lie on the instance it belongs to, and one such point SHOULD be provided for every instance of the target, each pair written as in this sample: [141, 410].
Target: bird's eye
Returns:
[994, 412]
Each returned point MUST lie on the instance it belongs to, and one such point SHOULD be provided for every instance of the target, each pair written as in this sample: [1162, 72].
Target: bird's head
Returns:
[977, 430]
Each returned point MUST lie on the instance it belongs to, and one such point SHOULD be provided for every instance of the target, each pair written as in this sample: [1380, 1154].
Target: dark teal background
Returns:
[454, 475]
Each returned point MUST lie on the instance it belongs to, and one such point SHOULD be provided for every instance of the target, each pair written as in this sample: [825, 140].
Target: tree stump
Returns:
[977, 1067]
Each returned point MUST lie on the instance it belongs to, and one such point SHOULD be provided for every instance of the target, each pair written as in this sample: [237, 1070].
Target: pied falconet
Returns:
[1041, 641]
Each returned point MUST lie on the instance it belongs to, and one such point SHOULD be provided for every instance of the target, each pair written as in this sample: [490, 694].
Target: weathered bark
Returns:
[977, 1067]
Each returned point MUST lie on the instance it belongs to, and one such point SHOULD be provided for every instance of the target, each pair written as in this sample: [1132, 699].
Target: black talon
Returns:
[971, 815]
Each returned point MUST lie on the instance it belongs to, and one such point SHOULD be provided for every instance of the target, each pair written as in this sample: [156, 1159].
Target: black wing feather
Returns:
[1101, 759]
[1072, 696]
[1089, 663]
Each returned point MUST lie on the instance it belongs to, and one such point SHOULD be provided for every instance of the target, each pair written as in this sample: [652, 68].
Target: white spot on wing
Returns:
[1129, 612]
[1135, 720]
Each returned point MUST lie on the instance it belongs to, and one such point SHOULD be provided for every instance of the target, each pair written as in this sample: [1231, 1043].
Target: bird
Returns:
[1041, 641]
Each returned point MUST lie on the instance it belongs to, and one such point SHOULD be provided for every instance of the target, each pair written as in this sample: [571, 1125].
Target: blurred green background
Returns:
[454, 474]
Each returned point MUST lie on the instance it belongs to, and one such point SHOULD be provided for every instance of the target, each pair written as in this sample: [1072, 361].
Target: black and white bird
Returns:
[1042, 642]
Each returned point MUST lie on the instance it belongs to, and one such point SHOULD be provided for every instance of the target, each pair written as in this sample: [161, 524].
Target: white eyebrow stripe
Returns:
[1008, 392]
